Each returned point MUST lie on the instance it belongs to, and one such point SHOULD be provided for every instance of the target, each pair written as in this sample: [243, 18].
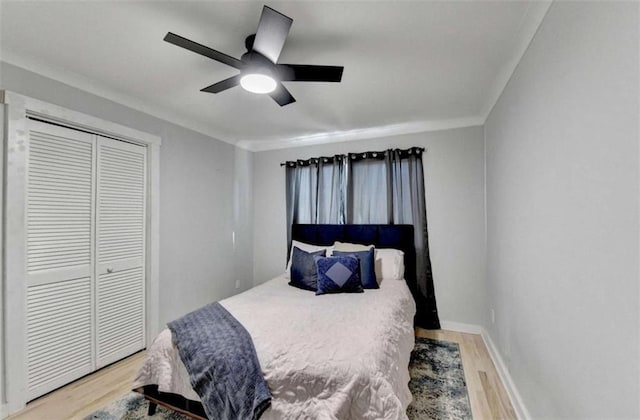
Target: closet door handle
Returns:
[109, 270]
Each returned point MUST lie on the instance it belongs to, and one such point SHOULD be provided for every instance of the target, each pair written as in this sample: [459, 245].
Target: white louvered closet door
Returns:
[120, 246]
[59, 256]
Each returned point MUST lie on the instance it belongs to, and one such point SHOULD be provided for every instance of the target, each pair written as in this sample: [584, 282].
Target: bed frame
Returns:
[381, 236]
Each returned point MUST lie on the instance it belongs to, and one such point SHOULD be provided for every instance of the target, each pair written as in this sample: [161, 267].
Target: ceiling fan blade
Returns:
[272, 33]
[203, 50]
[309, 73]
[282, 96]
[222, 85]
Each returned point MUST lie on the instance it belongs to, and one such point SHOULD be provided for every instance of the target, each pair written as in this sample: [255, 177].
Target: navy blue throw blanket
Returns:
[222, 363]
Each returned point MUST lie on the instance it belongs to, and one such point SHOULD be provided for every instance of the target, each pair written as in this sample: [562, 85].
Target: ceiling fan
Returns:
[260, 71]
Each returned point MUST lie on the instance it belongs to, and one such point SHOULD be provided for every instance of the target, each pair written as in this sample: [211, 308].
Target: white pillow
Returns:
[306, 248]
[389, 264]
[349, 247]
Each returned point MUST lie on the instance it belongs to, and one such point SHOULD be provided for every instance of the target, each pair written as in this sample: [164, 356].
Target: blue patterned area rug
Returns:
[437, 382]
[437, 385]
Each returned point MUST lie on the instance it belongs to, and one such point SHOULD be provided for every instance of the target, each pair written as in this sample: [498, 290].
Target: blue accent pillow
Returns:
[303, 269]
[367, 266]
[338, 275]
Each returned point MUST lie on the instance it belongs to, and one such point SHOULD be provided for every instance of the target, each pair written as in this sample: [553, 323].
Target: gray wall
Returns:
[2, 362]
[243, 217]
[562, 207]
[197, 259]
[454, 188]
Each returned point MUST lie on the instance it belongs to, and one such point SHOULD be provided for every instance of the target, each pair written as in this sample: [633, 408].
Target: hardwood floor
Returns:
[488, 398]
[86, 395]
[487, 395]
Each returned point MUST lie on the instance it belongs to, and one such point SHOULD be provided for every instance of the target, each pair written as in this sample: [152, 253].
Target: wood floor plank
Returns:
[487, 395]
[86, 395]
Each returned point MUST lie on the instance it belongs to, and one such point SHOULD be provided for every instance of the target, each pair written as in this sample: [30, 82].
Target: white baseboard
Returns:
[461, 327]
[505, 377]
[3, 411]
[498, 362]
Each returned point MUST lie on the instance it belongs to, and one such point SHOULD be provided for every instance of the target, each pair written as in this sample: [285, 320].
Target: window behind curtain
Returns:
[368, 196]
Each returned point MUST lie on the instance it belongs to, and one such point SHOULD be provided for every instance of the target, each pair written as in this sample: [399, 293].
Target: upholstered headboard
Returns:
[381, 236]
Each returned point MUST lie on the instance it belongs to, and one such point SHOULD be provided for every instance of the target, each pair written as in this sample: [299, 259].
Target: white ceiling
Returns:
[409, 66]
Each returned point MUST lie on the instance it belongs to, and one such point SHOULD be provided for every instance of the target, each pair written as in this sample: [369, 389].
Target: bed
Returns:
[332, 356]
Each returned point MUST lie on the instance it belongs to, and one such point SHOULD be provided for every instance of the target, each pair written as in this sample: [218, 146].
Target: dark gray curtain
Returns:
[405, 187]
[368, 188]
[389, 188]
[316, 191]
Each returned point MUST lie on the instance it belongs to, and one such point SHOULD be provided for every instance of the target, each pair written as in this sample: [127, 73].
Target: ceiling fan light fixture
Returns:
[258, 83]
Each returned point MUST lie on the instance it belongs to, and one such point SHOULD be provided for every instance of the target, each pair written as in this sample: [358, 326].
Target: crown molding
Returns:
[80, 82]
[359, 134]
[99, 89]
[528, 28]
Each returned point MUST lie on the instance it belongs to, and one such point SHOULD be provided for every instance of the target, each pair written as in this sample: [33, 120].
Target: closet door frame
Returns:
[18, 108]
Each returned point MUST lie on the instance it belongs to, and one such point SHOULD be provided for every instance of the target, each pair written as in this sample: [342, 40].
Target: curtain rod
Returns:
[379, 155]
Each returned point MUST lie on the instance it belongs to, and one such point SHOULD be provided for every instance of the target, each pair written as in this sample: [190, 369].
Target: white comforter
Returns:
[341, 356]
